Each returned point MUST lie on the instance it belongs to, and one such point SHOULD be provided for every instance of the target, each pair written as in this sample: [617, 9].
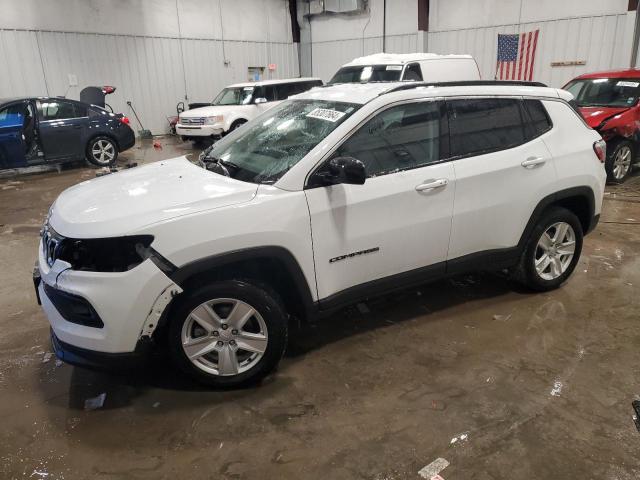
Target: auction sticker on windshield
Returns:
[326, 114]
[627, 84]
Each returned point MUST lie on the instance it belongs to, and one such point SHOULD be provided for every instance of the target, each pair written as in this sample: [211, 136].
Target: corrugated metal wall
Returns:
[604, 42]
[330, 55]
[148, 71]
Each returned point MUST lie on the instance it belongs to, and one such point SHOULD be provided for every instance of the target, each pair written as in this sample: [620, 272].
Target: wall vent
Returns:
[319, 7]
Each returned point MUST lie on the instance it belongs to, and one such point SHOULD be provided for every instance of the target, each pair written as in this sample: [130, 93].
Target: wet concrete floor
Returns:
[500, 382]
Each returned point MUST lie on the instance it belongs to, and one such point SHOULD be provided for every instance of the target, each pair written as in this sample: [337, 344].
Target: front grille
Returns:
[192, 121]
[51, 244]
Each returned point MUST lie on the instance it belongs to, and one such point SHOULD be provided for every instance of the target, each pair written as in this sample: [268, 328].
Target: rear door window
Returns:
[304, 86]
[81, 110]
[270, 93]
[484, 125]
[284, 90]
[267, 92]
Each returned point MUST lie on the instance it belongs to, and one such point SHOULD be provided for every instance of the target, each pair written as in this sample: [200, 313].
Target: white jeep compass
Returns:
[338, 194]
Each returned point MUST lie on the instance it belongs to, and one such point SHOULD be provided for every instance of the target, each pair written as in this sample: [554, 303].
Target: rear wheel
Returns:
[552, 251]
[102, 151]
[620, 157]
[228, 334]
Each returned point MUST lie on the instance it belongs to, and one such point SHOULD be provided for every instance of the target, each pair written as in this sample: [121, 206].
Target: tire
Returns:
[265, 332]
[527, 273]
[102, 151]
[620, 160]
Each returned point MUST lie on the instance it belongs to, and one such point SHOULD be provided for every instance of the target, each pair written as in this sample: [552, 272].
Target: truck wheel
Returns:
[620, 157]
[102, 151]
[228, 334]
[552, 251]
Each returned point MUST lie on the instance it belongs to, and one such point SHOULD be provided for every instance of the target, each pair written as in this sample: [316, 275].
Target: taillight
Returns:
[125, 120]
[600, 147]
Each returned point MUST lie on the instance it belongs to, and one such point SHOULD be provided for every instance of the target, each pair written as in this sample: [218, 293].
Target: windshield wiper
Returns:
[227, 163]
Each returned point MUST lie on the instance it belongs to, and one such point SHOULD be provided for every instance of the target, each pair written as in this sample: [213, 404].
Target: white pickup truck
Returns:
[236, 105]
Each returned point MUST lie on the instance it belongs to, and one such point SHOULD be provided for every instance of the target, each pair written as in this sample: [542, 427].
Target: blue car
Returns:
[41, 130]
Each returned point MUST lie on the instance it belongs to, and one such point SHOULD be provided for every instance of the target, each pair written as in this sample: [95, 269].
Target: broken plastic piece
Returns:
[462, 437]
[95, 402]
[434, 468]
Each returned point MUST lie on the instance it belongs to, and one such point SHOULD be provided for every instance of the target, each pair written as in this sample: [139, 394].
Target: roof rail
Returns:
[462, 83]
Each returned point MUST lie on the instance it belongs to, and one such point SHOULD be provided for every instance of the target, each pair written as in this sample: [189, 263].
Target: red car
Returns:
[608, 102]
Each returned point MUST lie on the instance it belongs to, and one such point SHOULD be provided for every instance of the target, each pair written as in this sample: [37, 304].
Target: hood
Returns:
[210, 111]
[124, 202]
[594, 116]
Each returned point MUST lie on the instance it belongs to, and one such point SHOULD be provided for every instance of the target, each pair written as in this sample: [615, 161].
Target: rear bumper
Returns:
[99, 360]
[127, 139]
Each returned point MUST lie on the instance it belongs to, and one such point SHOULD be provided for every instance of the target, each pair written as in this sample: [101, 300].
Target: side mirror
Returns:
[338, 170]
[260, 100]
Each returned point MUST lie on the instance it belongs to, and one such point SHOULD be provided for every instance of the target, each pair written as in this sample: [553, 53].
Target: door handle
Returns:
[533, 162]
[431, 184]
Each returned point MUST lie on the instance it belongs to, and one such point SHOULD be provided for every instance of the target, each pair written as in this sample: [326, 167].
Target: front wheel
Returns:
[102, 151]
[619, 161]
[552, 251]
[228, 334]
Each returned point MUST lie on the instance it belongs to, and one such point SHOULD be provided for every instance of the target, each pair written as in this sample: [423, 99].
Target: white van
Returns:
[392, 67]
[237, 104]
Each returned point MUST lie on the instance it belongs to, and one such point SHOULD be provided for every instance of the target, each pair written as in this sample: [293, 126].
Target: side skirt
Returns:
[491, 260]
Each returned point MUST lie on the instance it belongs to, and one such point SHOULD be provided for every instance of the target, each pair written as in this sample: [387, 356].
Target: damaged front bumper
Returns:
[124, 309]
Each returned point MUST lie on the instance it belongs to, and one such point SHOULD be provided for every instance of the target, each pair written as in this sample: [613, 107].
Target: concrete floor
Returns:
[530, 385]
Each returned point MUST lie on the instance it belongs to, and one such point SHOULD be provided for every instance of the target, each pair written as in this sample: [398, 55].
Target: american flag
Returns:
[516, 54]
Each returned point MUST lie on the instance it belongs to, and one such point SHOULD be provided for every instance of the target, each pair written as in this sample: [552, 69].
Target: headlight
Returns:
[117, 254]
[213, 120]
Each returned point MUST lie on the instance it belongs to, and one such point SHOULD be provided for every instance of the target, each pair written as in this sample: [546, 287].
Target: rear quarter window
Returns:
[538, 120]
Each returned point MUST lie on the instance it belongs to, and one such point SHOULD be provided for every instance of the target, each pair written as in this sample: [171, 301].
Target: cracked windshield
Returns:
[266, 148]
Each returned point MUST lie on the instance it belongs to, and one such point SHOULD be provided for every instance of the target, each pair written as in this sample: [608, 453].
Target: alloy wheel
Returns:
[622, 162]
[103, 151]
[555, 250]
[224, 336]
